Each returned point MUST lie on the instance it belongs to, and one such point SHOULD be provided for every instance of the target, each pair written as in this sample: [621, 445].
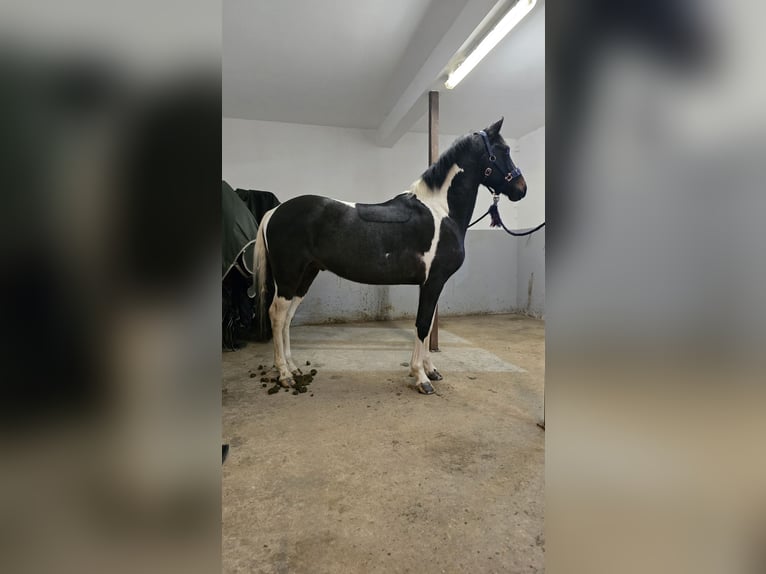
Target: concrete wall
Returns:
[529, 213]
[294, 159]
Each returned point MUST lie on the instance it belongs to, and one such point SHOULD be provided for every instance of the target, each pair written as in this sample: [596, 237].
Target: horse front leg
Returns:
[278, 313]
[428, 365]
[421, 365]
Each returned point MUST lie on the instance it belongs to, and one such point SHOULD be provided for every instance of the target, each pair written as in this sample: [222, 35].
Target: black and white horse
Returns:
[416, 238]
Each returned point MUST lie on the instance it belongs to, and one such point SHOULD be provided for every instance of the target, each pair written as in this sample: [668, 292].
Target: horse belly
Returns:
[374, 265]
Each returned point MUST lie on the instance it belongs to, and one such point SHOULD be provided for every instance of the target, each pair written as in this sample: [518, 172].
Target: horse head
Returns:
[500, 174]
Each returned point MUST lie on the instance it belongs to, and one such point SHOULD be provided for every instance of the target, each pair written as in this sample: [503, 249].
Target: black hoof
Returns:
[224, 452]
[434, 375]
[425, 388]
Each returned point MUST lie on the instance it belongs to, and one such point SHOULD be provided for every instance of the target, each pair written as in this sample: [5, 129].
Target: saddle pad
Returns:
[394, 210]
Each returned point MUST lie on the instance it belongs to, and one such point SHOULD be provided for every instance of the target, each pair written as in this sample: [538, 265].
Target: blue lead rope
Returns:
[494, 213]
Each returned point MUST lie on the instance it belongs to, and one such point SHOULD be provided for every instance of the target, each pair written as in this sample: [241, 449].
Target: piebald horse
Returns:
[416, 238]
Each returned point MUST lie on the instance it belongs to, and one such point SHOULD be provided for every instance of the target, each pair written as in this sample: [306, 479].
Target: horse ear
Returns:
[494, 129]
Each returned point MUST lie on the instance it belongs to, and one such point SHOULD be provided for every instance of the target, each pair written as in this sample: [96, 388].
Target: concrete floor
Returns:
[367, 475]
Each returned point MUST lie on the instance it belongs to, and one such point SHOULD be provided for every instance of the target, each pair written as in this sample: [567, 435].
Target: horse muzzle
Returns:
[517, 189]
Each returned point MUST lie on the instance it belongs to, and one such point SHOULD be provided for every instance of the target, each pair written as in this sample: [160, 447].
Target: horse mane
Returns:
[435, 175]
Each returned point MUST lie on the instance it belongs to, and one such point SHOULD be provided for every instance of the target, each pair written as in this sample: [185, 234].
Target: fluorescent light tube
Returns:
[509, 21]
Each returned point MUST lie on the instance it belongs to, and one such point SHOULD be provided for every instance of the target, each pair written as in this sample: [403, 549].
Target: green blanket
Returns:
[239, 230]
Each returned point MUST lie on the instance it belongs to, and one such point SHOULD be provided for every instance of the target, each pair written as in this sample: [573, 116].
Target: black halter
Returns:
[515, 171]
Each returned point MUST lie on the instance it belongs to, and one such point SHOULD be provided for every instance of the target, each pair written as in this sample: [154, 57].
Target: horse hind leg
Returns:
[286, 335]
[307, 278]
[278, 314]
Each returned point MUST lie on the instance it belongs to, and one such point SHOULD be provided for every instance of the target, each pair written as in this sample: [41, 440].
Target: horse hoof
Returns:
[287, 383]
[425, 388]
[434, 375]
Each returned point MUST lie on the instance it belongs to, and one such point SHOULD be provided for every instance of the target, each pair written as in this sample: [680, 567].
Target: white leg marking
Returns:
[290, 314]
[420, 364]
[278, 313]
[436, 201]
[416, 363]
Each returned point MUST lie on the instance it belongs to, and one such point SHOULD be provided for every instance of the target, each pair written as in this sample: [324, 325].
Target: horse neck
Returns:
[462, 199]
[456, 175]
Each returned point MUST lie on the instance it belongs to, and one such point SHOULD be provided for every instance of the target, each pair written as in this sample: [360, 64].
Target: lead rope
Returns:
[494, 212]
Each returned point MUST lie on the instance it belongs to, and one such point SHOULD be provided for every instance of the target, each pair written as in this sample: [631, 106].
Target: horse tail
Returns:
[261, 266]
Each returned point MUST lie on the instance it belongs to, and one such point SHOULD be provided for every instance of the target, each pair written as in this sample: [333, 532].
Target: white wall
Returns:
[294, 159]
[529, 213]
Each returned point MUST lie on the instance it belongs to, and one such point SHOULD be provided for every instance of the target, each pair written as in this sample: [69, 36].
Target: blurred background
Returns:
[111, 142]
[110, 305]
[655, 287]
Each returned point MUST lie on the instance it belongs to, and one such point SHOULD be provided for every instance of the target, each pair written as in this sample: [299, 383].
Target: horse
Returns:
[415, 238]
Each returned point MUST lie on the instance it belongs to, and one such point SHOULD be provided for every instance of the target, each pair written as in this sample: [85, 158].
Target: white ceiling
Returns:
[369, 64]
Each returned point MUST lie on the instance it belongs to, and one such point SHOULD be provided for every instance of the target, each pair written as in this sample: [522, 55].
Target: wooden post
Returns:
[433, 155]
